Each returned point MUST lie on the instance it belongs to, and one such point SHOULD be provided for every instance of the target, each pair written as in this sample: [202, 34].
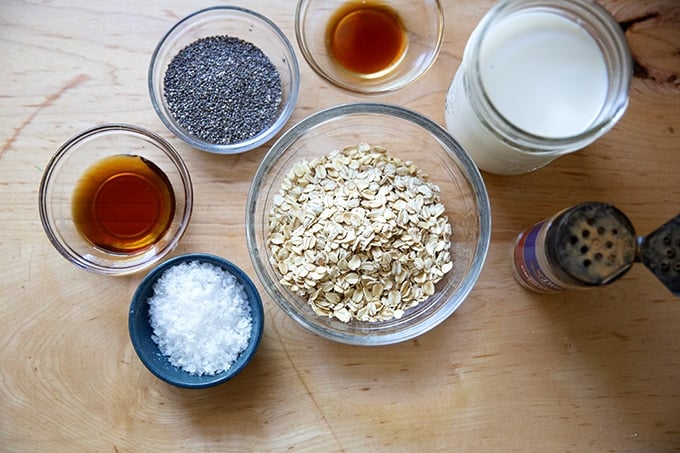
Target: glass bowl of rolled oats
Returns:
[368, 224]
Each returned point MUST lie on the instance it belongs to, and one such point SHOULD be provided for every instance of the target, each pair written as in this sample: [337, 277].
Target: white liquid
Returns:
[545, 74]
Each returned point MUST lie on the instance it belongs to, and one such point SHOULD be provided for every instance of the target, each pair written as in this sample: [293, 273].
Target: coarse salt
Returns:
[200, 317]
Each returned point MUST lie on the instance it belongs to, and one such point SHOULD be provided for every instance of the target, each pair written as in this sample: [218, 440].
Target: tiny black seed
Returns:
[664, 266]
[670, 253]
[601, 230]
[598, 257]
[667, 240]
[615, 231]
[585, 233]
[222, 89]
[573, 240]
[609, 244]
[587, 263]
[676, 266]
[590, 221]
[584, 249]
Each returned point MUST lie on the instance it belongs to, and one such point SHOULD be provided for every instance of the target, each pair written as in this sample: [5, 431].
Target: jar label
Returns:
[528, 270]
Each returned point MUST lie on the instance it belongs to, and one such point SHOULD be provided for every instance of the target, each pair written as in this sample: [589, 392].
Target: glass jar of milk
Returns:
[539, 79]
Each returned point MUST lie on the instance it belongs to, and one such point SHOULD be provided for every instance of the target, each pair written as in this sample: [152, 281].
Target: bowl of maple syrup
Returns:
[115, 199]
[369, 46]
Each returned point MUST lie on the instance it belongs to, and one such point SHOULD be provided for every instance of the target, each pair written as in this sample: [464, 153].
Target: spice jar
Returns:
[593, 244]
[539, 79]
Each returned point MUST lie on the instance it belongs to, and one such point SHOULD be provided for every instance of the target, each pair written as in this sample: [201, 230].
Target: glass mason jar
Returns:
[539, 79]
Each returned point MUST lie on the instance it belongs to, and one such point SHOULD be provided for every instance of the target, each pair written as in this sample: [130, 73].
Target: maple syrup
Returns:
[123, 203]
[367, 39]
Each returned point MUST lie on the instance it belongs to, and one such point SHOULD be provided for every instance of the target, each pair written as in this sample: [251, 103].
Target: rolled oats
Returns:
[359, 234]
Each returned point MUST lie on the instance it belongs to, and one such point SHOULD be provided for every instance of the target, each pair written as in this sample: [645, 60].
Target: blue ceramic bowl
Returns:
[149, 353]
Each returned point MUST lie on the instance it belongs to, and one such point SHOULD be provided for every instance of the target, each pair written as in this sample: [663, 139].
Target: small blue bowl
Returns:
[149, 353]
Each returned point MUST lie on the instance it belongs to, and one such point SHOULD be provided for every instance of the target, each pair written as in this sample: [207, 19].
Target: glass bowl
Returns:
[421, 21]
[238, 23]
[72, 165]
[147, 349]
[408, 136]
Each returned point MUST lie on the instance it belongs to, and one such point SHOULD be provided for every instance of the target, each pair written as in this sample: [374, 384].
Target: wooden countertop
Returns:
[509, 371]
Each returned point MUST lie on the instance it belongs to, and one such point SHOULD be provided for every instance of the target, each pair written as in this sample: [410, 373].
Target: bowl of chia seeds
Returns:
[224, 79]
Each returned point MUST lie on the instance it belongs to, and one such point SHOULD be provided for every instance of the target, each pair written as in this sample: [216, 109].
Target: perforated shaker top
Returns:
[592, 243]
[660, 252]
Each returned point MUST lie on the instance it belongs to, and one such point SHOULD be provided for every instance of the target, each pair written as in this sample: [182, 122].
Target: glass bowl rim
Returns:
[374, 90]
[449, 143]
[265, 135]
[129, 129]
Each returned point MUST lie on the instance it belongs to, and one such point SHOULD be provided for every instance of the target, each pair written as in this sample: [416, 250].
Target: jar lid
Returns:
[592, 243]
[660, 253]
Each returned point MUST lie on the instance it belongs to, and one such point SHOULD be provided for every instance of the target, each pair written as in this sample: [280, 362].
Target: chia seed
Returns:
[222, 89]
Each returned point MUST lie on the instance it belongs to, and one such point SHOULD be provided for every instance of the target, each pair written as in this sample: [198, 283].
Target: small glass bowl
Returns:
[423, 22]
[239, 23]
[148, 351]
[406, 135]
[65, 170]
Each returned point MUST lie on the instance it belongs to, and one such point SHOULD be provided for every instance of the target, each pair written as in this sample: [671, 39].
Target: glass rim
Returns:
[374, 89]
[47, 222]
[265, 135]
[591, 13]
[467, 166]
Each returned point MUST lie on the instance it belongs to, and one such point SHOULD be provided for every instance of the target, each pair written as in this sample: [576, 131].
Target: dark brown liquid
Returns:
[123, 203]
[366, 38]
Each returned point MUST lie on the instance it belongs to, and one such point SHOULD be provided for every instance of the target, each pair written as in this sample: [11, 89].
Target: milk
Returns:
[544, 74]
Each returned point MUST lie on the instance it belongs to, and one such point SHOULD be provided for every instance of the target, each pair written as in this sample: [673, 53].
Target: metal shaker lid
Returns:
[592, 243]
[660, 253]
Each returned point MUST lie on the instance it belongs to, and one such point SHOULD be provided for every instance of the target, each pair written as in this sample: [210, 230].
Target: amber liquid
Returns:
[123, 204]
[367, 39]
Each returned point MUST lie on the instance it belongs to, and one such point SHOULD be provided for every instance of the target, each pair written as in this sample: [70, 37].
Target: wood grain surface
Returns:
[511, 370]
